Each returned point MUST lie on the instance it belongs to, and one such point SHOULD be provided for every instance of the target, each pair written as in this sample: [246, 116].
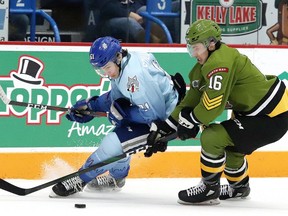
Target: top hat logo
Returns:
[28, 71]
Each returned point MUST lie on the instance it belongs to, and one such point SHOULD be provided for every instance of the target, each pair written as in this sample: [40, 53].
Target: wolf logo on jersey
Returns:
[133, 84]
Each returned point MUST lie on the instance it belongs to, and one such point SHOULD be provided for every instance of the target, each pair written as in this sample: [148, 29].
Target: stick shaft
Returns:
[8, 101]
[56, 108]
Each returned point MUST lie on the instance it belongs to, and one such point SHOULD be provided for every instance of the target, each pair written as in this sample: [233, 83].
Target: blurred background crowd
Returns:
[241, 22]
[86, 20]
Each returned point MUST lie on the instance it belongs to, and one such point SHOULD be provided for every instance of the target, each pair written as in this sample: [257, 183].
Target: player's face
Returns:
[198, 51]
[111, 70]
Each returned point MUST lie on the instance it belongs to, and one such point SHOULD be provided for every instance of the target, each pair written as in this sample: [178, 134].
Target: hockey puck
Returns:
[80, 205]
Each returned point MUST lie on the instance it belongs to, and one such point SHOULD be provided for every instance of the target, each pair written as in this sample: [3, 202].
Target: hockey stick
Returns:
[8, 101]
[4, 185]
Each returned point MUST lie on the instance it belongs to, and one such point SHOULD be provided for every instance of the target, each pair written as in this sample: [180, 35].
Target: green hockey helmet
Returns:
[203, 31]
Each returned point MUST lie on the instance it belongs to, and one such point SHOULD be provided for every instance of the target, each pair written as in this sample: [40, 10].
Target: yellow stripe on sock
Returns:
[238, 178]
[212, 169]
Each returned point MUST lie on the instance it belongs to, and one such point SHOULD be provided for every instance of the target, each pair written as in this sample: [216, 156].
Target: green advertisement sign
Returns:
[60, 79]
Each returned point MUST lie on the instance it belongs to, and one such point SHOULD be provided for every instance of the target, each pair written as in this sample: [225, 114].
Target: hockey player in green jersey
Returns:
[221, 78]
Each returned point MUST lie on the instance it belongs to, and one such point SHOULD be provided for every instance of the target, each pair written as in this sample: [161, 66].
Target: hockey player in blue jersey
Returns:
[141, 92]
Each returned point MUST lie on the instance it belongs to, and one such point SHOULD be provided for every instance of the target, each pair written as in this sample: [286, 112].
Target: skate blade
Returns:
[236, 199]
[102, 190]
[208, 202]
[53, 195]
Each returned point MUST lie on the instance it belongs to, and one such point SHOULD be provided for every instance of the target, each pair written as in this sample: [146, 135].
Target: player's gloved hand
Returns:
[79, 112]
[158, 130]
[117, 115]
[157, 147]
[188, 125]
[179, 85]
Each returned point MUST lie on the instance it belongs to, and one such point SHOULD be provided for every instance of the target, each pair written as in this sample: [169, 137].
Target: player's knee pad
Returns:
[110, 146]
[214, 139]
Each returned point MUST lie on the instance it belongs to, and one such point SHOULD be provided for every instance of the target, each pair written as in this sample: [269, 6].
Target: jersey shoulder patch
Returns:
[217, 70]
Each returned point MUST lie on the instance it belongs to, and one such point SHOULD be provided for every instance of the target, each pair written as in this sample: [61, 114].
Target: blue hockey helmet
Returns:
[102, 51]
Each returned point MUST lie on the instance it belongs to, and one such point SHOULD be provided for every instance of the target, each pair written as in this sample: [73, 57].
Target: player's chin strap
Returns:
[120, 56]
[25, 191]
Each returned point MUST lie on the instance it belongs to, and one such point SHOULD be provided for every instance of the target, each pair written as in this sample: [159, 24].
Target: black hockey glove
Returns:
[118, 112]
[188, 126]
[179, 85]
[81, 105]
[157, 147]
[158, 130]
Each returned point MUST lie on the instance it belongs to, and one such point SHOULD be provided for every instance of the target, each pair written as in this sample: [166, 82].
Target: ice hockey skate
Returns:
[67, 187]
[201, 194]
[228, 192]
[106, 183]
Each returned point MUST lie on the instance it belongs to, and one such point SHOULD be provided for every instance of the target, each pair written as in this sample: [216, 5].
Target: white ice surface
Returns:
[146, 197]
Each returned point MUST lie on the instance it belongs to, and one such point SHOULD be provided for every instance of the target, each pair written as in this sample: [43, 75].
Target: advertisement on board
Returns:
[62, 77]
[241, 21]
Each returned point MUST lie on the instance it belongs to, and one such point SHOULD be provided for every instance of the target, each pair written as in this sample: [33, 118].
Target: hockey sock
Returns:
[211, 167]
[237, 177]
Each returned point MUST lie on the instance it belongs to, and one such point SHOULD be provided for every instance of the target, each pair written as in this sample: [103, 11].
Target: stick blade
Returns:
[12, 188]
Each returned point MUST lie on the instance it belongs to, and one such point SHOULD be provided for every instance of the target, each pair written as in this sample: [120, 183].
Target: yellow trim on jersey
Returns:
[211, 103]
[238, 178]
[282, 106]
[212, 169]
